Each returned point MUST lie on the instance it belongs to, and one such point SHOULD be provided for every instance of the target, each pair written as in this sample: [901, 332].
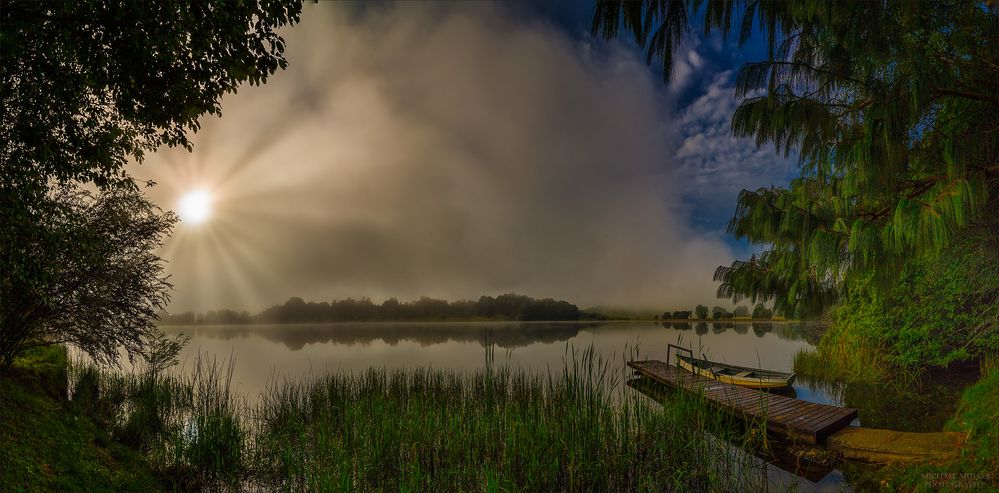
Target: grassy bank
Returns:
[499, 429]
[46, 446]
[976, 469]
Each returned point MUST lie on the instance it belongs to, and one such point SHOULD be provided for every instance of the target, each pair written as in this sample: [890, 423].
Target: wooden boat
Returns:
[744, 376]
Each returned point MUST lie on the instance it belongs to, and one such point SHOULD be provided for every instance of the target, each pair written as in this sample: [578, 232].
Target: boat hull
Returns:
[753, 382]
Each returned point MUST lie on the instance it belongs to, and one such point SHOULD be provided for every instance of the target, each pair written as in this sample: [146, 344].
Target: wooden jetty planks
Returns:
[793, 418]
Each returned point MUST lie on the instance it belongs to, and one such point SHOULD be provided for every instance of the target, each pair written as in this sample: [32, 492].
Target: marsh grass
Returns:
[846, 361]
[879, 390]
[190, 425]
[577, 428]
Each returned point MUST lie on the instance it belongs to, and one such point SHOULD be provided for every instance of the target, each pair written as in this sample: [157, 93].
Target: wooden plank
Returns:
[755, 402]
[733, 396]
[811, 422]
[744, 401]
[849, 415]
[749, 401]
[840, 414]
[801, 420]
[794, 412]
[829, 429]
[791, 417]
[773, 409]
[739, 394]
[813, 412]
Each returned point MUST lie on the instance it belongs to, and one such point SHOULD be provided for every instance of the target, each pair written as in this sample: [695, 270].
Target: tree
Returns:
[718, 312]
[85, 87]
[741, 311]
[890, 108]
[761, 311]
[102, 286]
[701, 311]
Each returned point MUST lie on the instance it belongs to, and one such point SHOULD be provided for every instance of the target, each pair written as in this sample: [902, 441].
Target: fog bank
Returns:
[448, 151]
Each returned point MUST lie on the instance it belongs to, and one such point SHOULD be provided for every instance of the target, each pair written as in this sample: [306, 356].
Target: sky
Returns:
[459, 149]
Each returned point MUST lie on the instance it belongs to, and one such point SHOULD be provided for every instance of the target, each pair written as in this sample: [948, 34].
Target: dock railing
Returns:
[673, 348]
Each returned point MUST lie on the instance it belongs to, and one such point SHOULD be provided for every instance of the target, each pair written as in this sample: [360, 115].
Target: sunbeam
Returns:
[339, 179]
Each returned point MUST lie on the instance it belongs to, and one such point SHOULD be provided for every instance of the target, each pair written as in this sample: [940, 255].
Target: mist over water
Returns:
[450, 151]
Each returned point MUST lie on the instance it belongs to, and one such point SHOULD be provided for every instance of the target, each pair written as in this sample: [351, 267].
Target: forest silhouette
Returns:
[511, 307]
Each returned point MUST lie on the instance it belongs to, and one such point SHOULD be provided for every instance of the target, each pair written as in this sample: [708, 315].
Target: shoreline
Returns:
[498, 321]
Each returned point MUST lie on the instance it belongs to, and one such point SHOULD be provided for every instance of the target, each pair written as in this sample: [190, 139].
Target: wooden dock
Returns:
[792, 418]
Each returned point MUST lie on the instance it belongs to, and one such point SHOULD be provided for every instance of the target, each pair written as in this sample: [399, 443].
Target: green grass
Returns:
[977, 469]
[190, 428]
[978, 414]
[46, 447]
[844, 357]
[498, 429]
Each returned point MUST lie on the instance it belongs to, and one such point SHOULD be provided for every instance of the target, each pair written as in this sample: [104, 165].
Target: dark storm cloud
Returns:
[447, 151]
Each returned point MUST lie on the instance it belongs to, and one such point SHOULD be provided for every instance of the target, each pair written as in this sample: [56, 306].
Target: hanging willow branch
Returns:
[891, 109]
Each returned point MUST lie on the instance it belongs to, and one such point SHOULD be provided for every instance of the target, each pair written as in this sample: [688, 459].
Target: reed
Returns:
[847, 361]
[190, 425]
[578, 428]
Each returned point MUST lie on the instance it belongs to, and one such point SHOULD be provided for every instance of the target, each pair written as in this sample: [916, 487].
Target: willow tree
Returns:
[891, 109]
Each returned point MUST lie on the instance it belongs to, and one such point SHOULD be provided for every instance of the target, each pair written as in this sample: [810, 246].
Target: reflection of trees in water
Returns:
[783, 330]
[928, 401]
[762, 328]
[297, 336]
[503, 334]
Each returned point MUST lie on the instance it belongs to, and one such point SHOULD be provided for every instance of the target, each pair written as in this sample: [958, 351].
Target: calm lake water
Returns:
[265, 354]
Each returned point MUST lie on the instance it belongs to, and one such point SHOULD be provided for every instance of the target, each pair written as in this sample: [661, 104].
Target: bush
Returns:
[944, 309]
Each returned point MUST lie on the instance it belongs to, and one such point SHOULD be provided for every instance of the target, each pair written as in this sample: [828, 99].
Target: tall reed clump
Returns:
[845, 357]
[496, 429]
[574, 429]
[190, 427]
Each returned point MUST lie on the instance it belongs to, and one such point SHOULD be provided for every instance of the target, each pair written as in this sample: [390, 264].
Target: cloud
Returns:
[716, 164]
[447, 151]
[687, 63]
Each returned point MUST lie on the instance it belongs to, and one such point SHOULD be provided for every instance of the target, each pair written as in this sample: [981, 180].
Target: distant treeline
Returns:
[296, 310]
[719, 313]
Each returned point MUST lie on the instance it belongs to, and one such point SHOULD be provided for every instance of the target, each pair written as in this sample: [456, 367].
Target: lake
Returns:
[265, 354]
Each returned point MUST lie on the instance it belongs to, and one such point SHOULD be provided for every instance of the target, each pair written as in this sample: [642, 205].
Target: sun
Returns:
[195, 207]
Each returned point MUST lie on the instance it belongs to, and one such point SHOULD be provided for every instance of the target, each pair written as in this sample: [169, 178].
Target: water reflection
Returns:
[923, 404]
[760, 329]
[263, 353]
[506, 335]
[295, 337]
[783, 330]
